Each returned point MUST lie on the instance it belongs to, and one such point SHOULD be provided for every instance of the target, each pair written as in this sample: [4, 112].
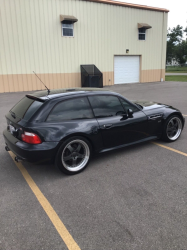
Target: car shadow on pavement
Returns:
[43, 170]
[119, 152]
[48, 170]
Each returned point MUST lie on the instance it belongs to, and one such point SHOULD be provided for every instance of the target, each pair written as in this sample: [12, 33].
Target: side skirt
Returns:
[129, 144]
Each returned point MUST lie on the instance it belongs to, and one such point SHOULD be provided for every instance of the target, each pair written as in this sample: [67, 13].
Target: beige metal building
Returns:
[126, 42]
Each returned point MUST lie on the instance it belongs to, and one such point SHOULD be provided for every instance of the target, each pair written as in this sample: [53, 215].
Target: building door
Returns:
[126, 69]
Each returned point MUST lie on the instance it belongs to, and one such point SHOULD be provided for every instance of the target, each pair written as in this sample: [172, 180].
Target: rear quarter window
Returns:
[26, 108]
[72, 109]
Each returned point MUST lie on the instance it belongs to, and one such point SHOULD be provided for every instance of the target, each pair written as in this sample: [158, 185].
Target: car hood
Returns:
[150, 104]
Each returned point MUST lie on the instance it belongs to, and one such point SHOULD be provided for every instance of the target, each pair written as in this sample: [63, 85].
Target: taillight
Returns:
[31, 138]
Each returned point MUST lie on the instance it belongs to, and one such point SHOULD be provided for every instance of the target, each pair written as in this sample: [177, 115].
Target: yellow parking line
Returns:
[60, 227]
[172, 149]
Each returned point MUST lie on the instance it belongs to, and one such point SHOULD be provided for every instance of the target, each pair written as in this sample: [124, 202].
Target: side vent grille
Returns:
[154, 117]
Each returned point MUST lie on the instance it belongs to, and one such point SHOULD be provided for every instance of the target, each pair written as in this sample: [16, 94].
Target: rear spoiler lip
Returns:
[36, 98]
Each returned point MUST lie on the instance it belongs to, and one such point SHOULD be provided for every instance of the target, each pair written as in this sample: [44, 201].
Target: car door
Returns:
[137, 125]
[115, 128]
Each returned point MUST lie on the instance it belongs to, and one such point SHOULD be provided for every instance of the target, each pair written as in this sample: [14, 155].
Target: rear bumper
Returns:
[45, 151]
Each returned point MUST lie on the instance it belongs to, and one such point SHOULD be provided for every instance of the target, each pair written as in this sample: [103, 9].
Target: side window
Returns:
[127, 106]
[67, 29]
[105, 106]
[141, 33]
[72, 109]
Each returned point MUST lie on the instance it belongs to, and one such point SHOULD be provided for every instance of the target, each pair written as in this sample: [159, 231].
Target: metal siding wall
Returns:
[31, 40]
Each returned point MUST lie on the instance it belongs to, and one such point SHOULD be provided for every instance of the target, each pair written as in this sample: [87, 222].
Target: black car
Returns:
[68, 125]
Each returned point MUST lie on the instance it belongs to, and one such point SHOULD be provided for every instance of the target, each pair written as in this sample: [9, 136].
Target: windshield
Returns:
[26, 108]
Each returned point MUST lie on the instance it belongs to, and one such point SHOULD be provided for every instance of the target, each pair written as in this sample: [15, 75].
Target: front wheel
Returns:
[73, 155]
[172, 129]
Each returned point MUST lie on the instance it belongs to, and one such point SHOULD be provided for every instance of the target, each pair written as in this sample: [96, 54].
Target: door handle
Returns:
[107, 126]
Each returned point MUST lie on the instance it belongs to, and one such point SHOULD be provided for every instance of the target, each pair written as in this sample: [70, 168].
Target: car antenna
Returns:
[42, 82]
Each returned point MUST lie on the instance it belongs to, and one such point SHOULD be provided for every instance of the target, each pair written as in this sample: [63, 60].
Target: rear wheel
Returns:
[172, 129]
[73, 155]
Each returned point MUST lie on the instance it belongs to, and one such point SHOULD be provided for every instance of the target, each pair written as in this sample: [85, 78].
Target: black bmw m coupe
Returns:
[68, 125]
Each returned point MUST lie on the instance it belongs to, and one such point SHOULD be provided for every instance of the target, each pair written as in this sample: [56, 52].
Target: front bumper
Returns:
[45, 151]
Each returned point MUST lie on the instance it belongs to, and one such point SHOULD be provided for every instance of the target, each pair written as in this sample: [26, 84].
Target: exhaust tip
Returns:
[17, 159]
[7, 148]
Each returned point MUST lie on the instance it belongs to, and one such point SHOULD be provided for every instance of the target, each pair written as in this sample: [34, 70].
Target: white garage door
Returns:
[126, 69]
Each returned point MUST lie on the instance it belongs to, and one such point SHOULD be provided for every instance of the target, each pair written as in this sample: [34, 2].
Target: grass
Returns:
[176, 78]
[176, 69]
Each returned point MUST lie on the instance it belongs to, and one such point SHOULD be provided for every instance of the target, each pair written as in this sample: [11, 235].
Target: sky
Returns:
[177, 8]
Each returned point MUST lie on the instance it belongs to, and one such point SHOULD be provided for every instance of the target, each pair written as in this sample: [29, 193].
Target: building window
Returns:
[141, 33]
[67, 29]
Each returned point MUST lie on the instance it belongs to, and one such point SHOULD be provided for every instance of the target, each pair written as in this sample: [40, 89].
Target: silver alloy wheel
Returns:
[174, 128]
[75, 155]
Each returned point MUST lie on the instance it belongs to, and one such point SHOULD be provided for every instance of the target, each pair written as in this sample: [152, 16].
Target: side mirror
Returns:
[121, 113]
[130, 112]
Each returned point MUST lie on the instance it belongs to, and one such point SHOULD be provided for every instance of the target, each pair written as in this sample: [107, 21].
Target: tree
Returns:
[175, 35]
[181, 52]
[185, 30]
[176, 46]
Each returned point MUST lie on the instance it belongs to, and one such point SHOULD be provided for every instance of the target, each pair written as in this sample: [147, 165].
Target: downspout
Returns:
[161, 79]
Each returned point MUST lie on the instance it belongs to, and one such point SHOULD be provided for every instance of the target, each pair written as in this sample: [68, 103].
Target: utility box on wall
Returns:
[91, 76]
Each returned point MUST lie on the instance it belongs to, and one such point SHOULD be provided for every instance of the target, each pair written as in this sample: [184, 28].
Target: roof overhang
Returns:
[144, 25]
[68, 18]
[137, 6]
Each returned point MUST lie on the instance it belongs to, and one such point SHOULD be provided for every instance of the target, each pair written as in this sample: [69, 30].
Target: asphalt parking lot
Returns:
[130, 199]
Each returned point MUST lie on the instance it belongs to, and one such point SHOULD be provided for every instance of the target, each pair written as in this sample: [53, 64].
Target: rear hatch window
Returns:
[26, 108]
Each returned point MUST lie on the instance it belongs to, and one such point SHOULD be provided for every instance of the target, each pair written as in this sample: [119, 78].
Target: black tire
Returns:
[171, 136]
[71, 161]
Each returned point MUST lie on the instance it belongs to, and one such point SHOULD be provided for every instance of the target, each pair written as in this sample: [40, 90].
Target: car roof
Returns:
[56, 93]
